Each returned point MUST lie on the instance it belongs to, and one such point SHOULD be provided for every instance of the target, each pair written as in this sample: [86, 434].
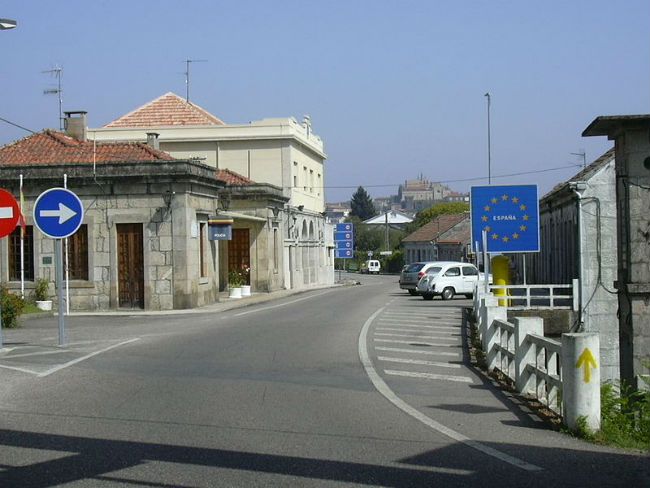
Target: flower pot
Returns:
[44, 305]
[235, 292]
[246, 290]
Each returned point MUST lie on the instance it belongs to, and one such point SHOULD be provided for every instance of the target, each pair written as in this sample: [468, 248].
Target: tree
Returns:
[426, 216]
[362, 205]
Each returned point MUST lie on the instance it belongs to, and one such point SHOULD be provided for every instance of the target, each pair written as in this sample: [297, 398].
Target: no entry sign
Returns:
[9, 213]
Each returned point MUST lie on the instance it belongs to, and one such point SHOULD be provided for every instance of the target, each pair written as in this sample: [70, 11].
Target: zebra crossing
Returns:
[424, 344]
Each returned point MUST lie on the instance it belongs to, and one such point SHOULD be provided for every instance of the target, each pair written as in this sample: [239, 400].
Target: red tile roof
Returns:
[167, 110]
[436, 227]
[51, 147]
[230, 178]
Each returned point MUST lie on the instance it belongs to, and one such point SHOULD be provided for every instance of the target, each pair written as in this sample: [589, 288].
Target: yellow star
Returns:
[487, 228]
[506, 239]
[522, 207]
[486, 208]
[504, 197]
[484, 218]
[495, 200]
[525, 217]
[495, 236]
[515, 200]
[515, 236]
[523, 228]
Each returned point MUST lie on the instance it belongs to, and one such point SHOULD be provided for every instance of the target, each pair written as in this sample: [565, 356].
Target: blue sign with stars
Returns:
[509, 215]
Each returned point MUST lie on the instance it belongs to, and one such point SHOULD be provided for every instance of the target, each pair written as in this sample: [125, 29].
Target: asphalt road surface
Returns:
[348, 386]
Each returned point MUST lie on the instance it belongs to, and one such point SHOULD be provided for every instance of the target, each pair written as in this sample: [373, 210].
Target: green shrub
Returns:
[12, 306]
[41, 290]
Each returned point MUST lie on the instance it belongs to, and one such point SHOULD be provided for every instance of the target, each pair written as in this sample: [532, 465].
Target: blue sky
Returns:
[394, 88]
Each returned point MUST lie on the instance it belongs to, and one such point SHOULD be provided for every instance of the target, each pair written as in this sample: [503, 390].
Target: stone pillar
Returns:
[581, 380]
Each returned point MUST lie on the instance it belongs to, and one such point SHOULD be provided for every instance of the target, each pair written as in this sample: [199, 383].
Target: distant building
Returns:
[420, 194]
[337, 212]
[446, 238]
[456, 197]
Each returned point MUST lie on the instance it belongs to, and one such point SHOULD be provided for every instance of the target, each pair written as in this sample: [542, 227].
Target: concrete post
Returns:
[581, 380]
[482, 319]
[525, 352]
[491, 337]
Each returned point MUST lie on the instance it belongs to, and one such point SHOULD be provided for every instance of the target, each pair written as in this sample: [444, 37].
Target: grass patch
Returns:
[30, 307]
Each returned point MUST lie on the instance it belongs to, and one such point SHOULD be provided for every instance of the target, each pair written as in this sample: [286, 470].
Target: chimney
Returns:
[152, 140]
[75, 125]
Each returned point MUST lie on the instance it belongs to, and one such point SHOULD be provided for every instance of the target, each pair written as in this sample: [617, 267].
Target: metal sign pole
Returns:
[58, 252]
[486, 262]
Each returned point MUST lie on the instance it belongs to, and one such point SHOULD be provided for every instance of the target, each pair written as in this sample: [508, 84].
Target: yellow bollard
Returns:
[501, 276]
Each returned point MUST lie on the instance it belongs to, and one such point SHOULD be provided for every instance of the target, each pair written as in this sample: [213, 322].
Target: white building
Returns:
[281, 152]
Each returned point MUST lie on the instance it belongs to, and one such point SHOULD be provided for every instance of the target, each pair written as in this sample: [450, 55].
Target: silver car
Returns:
[411, 274]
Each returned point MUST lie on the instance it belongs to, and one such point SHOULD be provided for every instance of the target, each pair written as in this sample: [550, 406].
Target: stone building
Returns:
[631, 135]
[584, 205]
[279, 152]
[446, 238]
[143, 243]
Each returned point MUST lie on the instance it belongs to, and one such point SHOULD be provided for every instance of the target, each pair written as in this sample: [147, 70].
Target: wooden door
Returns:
[130, 279]
[239, 250]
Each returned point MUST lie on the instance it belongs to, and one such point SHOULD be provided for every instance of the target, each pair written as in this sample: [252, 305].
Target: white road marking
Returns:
[413, 329]
[438, 338]
[282, 304]
[421, 362]
[383, 388]
[428, 376]
[415, 342]
[417, 351]
[40, 353]
[22, 370]
[83, 358]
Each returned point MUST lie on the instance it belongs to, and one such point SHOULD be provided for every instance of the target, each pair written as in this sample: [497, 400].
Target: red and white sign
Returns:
[9, 213]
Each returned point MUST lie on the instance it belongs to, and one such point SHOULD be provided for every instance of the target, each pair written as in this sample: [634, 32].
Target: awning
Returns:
[239, 216]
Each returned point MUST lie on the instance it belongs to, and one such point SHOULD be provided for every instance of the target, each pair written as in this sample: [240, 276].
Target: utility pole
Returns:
[488, 140]
[187, 75]
[57, 71]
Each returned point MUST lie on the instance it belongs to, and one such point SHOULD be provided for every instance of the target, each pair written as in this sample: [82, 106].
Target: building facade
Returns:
[446, 238]
[280, 152]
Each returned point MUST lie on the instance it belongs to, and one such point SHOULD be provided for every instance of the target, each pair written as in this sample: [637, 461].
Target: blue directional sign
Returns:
[58, 213]
[344, 241]
[509, 215]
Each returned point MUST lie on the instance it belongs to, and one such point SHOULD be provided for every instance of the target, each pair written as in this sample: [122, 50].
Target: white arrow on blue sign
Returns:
[58, 213]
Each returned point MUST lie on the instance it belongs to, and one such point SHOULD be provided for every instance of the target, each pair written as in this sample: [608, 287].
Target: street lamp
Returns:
[6, 24]
[487, 95]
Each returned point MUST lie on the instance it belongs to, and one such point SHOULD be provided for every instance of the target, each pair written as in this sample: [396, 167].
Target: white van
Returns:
[448, 279]
[371, 267]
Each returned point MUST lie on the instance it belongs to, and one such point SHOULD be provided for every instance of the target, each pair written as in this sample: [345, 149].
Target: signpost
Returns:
[58, 214]
[9, 216]
[344, 242]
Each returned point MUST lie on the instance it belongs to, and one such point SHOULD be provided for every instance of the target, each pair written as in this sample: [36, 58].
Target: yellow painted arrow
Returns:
[587, 360]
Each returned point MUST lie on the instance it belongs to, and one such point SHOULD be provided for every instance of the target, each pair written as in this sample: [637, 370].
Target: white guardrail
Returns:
[540, 297]
[563, 375]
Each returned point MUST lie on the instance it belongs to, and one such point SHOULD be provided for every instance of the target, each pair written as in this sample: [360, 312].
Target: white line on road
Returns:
[22, 370]
[438, 338]
[429, 376]
[413, 329]
[419, 324]
[415, 342]
[282, 304]
[417, 351]
[83, 358]
[421, 362]
[39, 353]
[383, 388]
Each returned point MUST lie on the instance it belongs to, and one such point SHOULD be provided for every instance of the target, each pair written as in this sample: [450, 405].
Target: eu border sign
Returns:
[509, 215]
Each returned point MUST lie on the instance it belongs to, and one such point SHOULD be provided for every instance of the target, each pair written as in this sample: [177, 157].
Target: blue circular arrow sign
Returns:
[58, 213]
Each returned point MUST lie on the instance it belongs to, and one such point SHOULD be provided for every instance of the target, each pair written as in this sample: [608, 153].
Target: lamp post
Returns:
[487, 95]
[6, 24]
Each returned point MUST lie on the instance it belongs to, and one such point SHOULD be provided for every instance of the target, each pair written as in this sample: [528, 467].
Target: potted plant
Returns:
[234, 284]
[245, 287]
[42, 294]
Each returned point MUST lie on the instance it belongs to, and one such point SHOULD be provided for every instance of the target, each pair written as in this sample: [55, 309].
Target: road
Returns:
[353, 386]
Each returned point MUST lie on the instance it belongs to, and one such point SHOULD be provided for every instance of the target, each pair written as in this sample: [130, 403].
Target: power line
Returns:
[16, 125]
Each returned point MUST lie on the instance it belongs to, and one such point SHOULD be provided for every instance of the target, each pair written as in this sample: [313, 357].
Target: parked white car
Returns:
[448, 279]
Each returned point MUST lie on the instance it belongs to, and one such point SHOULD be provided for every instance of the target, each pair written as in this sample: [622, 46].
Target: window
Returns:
[311, 180]
[453, 272]
[304, 177]
[319, 183]
[295, 174]
[28, 253]
[203, 267]
[470, 271]
[78, 254]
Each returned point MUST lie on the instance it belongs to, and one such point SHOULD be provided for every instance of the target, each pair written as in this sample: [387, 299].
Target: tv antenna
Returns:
[187, 75]
[583, 155]
[57, 72]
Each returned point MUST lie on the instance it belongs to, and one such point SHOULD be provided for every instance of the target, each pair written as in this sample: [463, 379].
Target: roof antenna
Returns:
[187, 75]
[583, 155]
[57, 72]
